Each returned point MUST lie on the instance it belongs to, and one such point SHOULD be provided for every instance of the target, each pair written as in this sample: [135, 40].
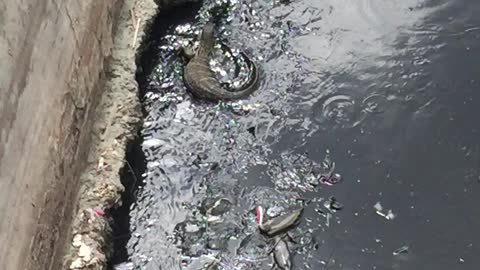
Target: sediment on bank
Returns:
[117, 120]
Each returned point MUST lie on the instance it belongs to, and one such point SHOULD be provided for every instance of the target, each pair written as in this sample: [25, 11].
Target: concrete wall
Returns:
[52, 55]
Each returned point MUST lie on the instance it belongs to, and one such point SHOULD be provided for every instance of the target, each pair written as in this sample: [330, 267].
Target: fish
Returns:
[281, 254]
[277, 224]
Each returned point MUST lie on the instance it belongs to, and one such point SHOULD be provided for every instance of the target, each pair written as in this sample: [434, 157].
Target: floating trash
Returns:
[398, 251]
[328, 217]
[152, 142]
[326, 173]
[378, 206]
[333, 204]
[124, 266]
[379, 210]
[274, 211]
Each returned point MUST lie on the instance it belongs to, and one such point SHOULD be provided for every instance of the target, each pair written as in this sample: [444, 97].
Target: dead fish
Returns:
[281, 254]
[278, 224]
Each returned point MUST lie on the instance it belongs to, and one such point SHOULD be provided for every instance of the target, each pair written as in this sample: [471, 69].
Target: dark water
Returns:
[390, 88]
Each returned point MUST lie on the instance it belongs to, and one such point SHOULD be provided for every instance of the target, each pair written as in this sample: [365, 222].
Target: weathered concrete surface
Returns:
[52, 56]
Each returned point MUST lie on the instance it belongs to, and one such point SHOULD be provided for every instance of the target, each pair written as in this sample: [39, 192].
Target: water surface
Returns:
[388, 88]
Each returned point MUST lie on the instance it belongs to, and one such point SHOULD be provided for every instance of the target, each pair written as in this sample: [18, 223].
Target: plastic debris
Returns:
[327, 175]
[98, 211]
[124, 266]
[85, 252]
[152, 143]
[398, 251]
[214, 219]
[77, 264]
[327, 222]
[274, 211]
[378, 206]
[379, 210]
[334, 178]
[101, 162]
[333, 205]
[77, 240]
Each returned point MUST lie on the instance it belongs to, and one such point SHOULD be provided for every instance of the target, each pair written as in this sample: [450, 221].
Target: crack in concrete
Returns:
[72, 26]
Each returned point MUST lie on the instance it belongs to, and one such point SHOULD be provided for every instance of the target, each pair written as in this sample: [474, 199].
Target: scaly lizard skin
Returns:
[200, 79]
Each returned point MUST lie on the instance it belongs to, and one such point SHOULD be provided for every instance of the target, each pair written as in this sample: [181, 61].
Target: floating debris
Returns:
[333, 204]
[378, 206]
[379, 210]
[124, 266]
[152, 143]
[183, 29]
[214, 219]
[334, 178]
[328, 217]
[219, 207]
[403, 249]
[274, 211]
[299, 172]
[326, 172]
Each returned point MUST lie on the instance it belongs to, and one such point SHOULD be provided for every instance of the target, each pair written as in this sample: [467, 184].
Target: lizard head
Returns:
[207, 32]
[207, 39]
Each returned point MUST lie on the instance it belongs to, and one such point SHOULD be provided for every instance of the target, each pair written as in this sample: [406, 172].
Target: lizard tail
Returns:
[252, 83]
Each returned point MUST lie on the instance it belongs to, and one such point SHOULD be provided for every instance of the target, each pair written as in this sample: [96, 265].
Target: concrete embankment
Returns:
[68, 107]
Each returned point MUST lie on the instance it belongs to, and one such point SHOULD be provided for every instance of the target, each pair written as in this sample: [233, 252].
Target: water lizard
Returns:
[200, 79]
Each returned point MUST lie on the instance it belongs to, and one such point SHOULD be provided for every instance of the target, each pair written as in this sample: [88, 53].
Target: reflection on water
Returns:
[388, 88]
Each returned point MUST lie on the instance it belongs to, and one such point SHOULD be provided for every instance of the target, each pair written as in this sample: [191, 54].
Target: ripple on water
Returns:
[337, 111]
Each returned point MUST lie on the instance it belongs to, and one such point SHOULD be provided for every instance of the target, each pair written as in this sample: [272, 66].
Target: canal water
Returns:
[388, 91]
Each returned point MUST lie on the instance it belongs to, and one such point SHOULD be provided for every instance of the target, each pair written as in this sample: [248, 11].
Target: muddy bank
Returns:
[116, 122]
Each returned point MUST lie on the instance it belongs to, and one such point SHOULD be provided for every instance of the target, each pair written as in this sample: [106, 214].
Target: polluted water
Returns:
[381, 91]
